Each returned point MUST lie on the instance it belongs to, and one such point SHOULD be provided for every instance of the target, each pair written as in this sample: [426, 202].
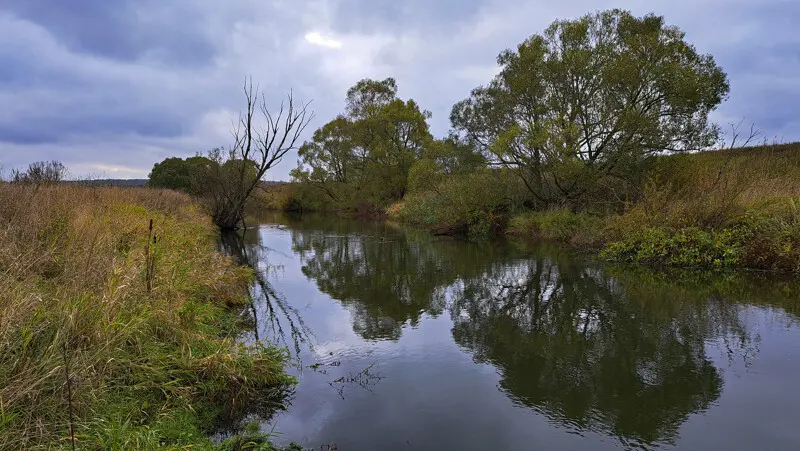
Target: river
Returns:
[406, 341]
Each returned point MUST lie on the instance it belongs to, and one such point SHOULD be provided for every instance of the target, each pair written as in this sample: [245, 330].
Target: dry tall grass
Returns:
[72, 292]
[728, 208]
[744, 202]
[714, 189]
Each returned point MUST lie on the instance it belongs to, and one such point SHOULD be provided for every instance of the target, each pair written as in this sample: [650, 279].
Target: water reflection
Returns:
[272, 315]
[593, 350]
[617, 351]
[569, 344]
[385, 276]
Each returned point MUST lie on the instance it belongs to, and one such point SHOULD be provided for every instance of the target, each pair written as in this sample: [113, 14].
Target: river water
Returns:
[405, 341]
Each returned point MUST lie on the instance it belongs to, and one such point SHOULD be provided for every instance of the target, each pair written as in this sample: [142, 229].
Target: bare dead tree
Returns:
[737, 140]
[261, 139]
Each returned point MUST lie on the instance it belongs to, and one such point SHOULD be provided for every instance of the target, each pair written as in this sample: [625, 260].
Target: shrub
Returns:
[684, 247]
[764, 235]
[423, 175]
[475, 204]
[579, 229]
[770, 233]
[41, 172]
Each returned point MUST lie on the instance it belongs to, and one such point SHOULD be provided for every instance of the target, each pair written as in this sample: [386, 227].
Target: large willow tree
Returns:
[579, 108]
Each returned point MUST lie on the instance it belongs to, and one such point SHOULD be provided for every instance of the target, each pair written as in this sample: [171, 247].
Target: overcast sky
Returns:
[111, 87]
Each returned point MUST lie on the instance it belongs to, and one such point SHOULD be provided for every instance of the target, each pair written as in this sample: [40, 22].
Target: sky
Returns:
[111, 87]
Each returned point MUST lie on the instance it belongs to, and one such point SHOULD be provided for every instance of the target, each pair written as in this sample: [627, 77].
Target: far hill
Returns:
[112, 182]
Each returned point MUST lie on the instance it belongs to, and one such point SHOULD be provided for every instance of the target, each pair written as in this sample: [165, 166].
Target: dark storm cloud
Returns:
[97, 123]
[126, 30]
[114, 86]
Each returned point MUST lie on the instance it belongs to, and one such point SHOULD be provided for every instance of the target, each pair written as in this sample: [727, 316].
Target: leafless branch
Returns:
[261, 138]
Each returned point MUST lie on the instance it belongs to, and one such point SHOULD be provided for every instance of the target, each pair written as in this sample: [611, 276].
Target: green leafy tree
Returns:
[180, 174]
[328, 161]
[368, 152]
[388, 144]
[590, 99]
[367, 97]
[455, 155]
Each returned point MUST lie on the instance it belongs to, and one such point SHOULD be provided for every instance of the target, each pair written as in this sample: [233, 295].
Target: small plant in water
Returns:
[364, 379]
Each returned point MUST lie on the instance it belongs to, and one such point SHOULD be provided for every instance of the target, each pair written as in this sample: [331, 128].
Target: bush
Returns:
[770, 233]
[685, 247]
[475, 204]
[715, 209]
[765, 235]
[578, 229]
[279, 196]
[41, 172]
[423, 175]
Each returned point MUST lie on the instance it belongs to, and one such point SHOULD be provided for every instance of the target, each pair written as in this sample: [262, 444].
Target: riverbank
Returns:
[735, 208]
[119, 335]
[726, 209]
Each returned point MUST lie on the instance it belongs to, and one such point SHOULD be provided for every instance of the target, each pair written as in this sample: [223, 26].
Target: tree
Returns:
[388, 143]
[370, 149]
[455, 155]
[441, 159]
[328, 160]
[40, 172]
[593, 98]
[256, 149]
[367, 97]
[180, 174]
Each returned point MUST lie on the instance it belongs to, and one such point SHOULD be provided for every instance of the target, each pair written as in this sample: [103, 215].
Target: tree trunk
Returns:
[228, 221]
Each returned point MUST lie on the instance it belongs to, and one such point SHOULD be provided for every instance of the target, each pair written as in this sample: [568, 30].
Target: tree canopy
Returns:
[370, 148]
[592, 98]
[180, 174]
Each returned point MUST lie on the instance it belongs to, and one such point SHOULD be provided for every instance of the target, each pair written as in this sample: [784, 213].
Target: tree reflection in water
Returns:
[271, 312]
[569, 344]
[591, 348]
[386, 277]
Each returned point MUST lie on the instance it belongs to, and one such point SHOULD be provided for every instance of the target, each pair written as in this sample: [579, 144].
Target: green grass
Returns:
[79, 331]
[560, 225]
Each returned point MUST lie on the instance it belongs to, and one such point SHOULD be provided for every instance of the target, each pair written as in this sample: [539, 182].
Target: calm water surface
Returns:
[406, 341]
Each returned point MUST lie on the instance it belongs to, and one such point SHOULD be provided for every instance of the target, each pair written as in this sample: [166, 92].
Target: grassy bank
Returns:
[736, 208]
[126, 337]
[297, 197]
[732, 208]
